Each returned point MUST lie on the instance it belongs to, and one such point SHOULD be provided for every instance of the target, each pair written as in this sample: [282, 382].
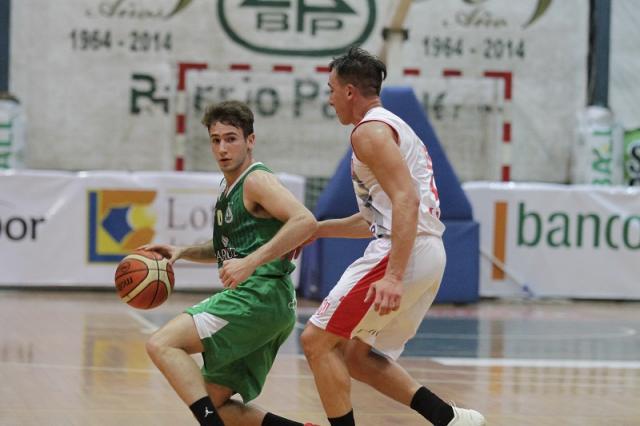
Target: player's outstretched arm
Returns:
[354, 226]
[202, 253]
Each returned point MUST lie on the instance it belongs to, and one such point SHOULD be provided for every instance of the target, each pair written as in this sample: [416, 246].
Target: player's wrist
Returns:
[321, 229]
[393, 278]
[182, 252]
[253, 261]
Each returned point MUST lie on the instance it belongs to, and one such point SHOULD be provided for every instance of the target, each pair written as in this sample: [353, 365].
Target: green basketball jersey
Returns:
[237, 233]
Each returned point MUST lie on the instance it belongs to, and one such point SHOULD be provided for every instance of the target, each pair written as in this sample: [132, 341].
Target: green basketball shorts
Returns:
[242, 329]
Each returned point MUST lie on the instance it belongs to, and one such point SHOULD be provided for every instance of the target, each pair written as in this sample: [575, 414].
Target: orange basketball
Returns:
[144, 279]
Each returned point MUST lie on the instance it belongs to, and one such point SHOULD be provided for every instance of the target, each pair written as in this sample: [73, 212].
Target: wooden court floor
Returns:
[78, 358]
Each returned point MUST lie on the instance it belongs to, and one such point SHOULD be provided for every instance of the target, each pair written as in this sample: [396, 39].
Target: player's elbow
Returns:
[406, 206]
[307, 222]
[407, 201]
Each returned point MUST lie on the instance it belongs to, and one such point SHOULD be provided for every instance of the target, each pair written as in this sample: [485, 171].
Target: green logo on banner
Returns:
[560, 229]
[310, 29]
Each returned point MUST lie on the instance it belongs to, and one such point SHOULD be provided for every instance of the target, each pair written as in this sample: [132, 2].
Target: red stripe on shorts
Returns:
[352, 307]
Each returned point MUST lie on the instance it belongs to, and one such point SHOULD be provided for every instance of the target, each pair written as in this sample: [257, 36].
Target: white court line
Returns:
[552, 363]
[614, 334]
[308, 376]
[304, 375]
[147, 326]
[126, 370]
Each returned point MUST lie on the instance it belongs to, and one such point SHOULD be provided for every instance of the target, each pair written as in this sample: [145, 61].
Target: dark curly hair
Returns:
[361, 69]
[234, 113]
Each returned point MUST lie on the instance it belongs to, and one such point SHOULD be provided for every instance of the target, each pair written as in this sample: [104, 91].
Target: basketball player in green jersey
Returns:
[238, 331]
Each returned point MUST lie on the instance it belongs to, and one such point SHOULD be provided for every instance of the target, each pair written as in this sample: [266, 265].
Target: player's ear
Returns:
[350, 90]
[251, 141]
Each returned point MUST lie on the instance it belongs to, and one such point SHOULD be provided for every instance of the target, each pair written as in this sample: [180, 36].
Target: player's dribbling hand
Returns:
[235, 271]
[386, 294]
[167, 251]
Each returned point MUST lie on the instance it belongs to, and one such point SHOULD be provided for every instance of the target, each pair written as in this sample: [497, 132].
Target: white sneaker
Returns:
[464, 417]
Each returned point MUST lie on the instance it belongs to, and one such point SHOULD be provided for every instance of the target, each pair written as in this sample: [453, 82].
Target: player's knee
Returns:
[152, 347]
[306, 341]
[310, 343]
[155, 346]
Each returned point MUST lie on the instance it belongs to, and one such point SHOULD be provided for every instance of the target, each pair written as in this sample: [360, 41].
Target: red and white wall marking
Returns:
[181, 107]
[507, 77]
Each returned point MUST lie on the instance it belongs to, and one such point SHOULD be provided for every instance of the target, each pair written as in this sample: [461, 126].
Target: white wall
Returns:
[100, 78]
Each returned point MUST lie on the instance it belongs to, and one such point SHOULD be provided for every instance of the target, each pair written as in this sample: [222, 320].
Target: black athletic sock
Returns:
[271, 419]
[346, 420]
[205, 412]
[431, 407]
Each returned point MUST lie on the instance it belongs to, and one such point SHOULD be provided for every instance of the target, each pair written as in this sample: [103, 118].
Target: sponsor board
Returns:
[560, 241]
[119, 221]
[71, 229]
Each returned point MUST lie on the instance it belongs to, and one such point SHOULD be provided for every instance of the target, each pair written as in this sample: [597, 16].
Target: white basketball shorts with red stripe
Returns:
[345, 313]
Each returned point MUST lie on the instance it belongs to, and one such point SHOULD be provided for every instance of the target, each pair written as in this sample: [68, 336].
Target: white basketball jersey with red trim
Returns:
[373, 202]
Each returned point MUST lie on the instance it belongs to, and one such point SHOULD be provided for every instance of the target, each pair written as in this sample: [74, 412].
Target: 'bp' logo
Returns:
[119, 221]
[310, 28]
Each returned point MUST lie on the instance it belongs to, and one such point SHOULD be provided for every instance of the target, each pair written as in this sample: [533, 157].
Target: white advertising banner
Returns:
[103, 81]
[577, 241]
[71, 229]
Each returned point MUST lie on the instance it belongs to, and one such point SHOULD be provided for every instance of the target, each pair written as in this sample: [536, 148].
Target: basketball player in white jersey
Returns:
[382, 297]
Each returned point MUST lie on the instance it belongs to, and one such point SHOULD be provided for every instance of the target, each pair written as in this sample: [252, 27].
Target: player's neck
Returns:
[361, 110]
[232, 176]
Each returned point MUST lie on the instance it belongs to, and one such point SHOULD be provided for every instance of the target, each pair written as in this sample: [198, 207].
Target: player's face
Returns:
[230, 148]
[339, 98]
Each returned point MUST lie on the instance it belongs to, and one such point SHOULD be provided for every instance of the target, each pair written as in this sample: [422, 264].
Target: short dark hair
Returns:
[234, 113]
[360, 68]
